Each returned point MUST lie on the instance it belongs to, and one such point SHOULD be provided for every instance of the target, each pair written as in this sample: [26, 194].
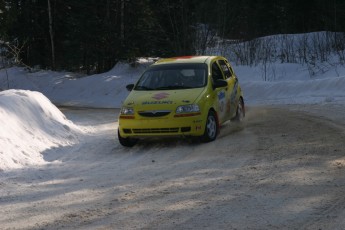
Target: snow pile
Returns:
[32, 128]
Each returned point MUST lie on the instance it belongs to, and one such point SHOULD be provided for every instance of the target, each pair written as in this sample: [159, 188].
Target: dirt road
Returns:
[283, 168]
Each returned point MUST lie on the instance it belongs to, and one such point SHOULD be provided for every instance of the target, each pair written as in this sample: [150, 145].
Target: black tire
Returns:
[240, 111]
[126, 141]
[211, 128]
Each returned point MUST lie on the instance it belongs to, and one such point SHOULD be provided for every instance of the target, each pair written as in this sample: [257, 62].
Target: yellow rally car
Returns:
[181, 96]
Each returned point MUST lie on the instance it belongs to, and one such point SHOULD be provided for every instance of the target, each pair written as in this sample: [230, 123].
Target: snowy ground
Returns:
[283, 168]
[59, 172]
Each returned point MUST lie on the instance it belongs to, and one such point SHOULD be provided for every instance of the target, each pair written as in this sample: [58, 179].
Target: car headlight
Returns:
[127, 111]
[187, 109]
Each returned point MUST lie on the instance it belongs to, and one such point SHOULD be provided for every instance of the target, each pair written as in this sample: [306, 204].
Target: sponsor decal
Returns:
[221, 106]
[221, 101]
[228, 105]
[160, 96]
[221, 95]
[234, 92]
[157, 102]
[198, 127]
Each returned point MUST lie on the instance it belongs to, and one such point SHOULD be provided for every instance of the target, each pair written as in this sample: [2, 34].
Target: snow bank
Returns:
[31, 128]
[280, 83]
[295, 92]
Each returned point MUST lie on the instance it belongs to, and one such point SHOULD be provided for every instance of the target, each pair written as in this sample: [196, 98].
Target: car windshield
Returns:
[173, 76]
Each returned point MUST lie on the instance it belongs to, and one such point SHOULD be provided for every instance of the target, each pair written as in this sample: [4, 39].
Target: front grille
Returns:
[159, 130]
[154, 113]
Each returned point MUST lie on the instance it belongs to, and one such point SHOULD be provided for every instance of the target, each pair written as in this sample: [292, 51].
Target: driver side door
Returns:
[221, 93]
[231, 92]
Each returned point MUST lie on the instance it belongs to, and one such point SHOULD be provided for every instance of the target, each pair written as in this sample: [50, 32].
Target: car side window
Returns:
[227, 72]
[216, 72]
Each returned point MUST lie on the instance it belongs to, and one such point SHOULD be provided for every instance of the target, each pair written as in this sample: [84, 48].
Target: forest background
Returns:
[91, 36]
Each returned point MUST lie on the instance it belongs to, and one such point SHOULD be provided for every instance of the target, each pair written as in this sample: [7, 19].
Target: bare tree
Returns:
[14, 50]
[205, 36]
[5, 67]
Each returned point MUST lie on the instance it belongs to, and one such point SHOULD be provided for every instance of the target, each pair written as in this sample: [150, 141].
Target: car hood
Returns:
[163, 98]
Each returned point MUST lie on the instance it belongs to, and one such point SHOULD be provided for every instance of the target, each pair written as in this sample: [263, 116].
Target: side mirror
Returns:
[220, 83]
[130, 87]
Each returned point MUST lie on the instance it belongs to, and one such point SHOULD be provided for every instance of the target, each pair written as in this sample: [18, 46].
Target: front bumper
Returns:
[163, 126]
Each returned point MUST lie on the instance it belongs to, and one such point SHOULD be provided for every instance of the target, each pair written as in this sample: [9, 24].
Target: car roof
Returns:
[186, 59]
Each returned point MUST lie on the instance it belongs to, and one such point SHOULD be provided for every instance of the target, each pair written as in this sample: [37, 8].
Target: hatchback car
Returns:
[181, 96]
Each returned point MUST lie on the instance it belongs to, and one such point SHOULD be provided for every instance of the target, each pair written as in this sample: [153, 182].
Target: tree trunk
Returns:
[51, 35]
[122, 29]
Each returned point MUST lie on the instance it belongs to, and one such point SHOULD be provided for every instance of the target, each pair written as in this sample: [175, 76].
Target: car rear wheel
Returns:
[211, 128]
[126, 141]
[240, 112]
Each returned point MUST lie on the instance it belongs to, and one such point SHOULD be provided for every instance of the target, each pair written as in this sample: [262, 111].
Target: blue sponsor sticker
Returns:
[221, 95]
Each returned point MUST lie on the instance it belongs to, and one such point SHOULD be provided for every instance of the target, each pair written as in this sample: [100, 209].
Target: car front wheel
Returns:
[211, 128]
[240, 112]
